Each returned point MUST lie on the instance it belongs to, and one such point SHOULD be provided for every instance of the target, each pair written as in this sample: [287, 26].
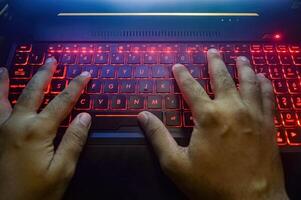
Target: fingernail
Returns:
[85, 74]
[261, 75]
[243, 58]
[213, 51]
[50, 60]
[143, 117]
[85, 119]
[177, 66]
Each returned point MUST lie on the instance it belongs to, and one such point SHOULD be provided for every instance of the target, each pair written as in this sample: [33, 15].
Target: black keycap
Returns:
[172, 102]
[160, 72]
[85, 58]
[199, 58]
[285, 59]
[142, 72]
[57, 85]
[101, 102]
[183, 58]
[272, 58]
[259, 59]
[173, 118]
[175, 87]
[17, 85]
[94, 87]
[297, 58]
[188, 120]
[73, 71]
[289, 118]
[68, 58]
[205, 72]
[60, 71]
[134, 58]
[127, 86]
[166, 58]
[111, 86]
[194, 71]
[21, 72]
[94, 71]
[284, 102]
[101, 58]
[294, 136]
[163, 86]
[276, 72]
[146, 86]
[36, 58]
[294, 86]
[24, 48]
[154, 102]
[290, 72]
[136, 102]
[117, 58]
[21, 58]
[280, 86]
[118, 102]
[280, 137]
[57, 56]
[83, 103]
[108, 72]
[150, 58]
[263, 70]
[297, 102]
[230, 58]
[124, 72]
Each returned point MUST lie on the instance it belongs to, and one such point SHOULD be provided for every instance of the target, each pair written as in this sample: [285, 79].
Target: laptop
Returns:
[129, 48]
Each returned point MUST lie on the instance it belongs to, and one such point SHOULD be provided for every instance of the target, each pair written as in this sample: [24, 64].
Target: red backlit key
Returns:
[277, 119]
[188, 120]
[94, 87]
[295, 48]
[17, 85]
[263, 69]
[258, 59]
[24, 48]
[280, 137]
[167, 58]
[101, 58]
[289, 119]
[60, 71]
[173, 118]
[226, 48]
[299, 118]
[136, 102]
[276, 72]
[154, 102]
[280, 86]
[294, 86]
[163, 86]
[55, 48]
[127, 86]
[294, 137]
[111, 86]
[21, 72]
[57, 85]
[256, 48]
[194, 71]
[290, 72]
[150, 58]
[172, 102]
[21, 58]
[13, 98]
[36, 58]
[183, 58]
[94, 71]
[230, 58]
[281, 48]
[199, 58]
[242, 48]
[268, 48]
[296, 58]
[284, 102]
[102, 48]
[101, 102]
[117, 58]
[118, 102]
[68, 58]
[124, 72]
[141, 72]
[297, 101]
[272, 58]
[57, 56]
[108, 72]
[85, 58]
[146, 86]
[73, 71]
[285, 59]
[134, 58]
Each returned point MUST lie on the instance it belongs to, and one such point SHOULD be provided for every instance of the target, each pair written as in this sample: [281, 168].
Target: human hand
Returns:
[30, 168]
[232, 153]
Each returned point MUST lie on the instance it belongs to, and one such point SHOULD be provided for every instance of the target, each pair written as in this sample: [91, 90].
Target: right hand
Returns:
[232, 152]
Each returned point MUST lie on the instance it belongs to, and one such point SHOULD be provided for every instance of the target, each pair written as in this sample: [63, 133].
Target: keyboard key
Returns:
[263, 70]
[281, 137]
[289, 119]
[290, 72]
[125, 72]
[173, 118]
[21, 72]
[256, 48]
[101, 102]
[73, 71]
[127, 86]
[111, 86]
[160, 72]
[36, 58]
[101, 58]
[275, 72]
[17, 85]
[154, 102]
[21, 58]
[294, 86]
[24, 48]
[259, 59]
[281, 48]
[280, 86]
[83, 103]
[277, 119]
[297, 58]
[142, 72]
[85, 58]
[172, 102]
[94, 71]
[230, 58]
[194, 71]
[60, 71]
[136, 102]
[285, 59]
[47, 99]
[134, 58]
[117, 58]
[118, 102]
[269, 48]
[188, 119]
[163, 86]
[94, 87]
[108, 72]
[199, 58]
[146, 86]
[226, 48]
[294, 137]
[242, 48]
[57, 85]
[284, 102]
[297, 101]
[183, 58]
[68, 58]
[150, 58]
[166, 58]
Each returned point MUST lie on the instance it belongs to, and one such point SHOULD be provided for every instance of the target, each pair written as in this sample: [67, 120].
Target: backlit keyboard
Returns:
[130, 78]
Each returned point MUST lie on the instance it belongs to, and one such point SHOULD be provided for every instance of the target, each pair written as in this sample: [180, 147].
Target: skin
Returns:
[232, 153]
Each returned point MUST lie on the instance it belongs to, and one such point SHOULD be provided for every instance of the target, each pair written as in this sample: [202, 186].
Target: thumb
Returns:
[69, 150]
[163, 143]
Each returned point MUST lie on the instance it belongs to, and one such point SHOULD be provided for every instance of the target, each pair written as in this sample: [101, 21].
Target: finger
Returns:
[69, 150]
[60, 107]
[5, 107]
[32, 96]
[193, 93]
[221, 80]
[268, 98]
[163, 143]
[249, 86]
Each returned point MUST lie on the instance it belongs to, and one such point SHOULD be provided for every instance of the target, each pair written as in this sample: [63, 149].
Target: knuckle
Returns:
[67, 97]
[153, 130]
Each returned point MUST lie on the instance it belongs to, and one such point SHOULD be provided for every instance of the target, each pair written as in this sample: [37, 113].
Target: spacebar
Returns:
[116, 120]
